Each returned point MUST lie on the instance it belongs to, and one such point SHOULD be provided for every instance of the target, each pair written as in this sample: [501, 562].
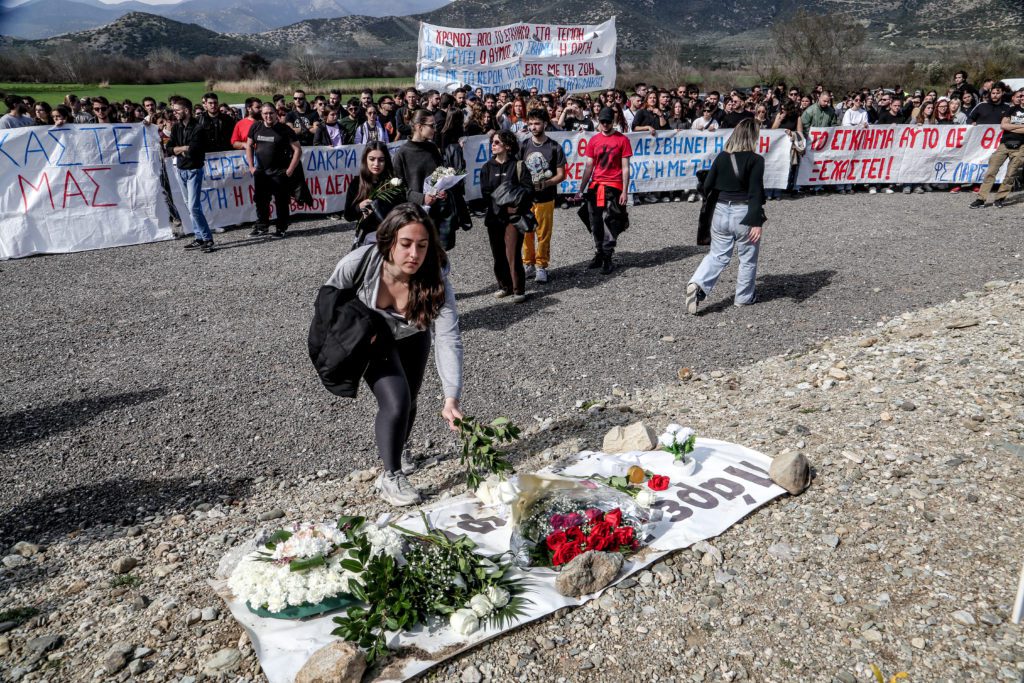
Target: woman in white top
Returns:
[706, 121]
[855, 115]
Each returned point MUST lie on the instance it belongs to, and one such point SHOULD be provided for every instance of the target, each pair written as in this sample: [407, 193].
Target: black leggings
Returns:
[395, 377]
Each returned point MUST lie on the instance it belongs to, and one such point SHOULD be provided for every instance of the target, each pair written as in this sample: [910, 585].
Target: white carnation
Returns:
[645, 497]
[384, 540]
[507, 492]
[667, 439]
[673, 428]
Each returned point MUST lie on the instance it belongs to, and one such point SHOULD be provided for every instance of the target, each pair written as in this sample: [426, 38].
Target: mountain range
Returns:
[38, 19]
[643, 25]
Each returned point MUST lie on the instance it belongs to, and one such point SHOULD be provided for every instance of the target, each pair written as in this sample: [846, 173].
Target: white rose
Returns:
[480, 605]
[673, 428]
[464, 621]
[507, 492]
[666, 439]
[684, 433]
[395, 182]
[645, 497]
[498, 596]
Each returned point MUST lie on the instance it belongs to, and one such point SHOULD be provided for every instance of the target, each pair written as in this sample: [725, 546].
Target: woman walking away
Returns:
[506, 241]
[738, 175]
[375, 169]
[405, 284]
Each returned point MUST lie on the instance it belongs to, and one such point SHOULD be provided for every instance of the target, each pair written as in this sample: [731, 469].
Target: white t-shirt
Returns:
[855, 117]
[701, 123]
[12, 121]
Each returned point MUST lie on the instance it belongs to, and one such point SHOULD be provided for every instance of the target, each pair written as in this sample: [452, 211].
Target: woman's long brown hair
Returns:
[367, 183]
[426, 286]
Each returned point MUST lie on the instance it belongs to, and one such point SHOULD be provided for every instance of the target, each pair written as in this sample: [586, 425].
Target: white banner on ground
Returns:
[579, 58]
[227, 194]
[729, 483]
[668, 161]
[898, 154]
[74, 188]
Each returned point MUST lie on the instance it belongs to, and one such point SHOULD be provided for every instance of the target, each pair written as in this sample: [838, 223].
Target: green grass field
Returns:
[54, 92]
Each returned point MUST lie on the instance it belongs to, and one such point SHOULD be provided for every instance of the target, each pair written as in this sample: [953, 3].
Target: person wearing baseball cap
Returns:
[605, 185]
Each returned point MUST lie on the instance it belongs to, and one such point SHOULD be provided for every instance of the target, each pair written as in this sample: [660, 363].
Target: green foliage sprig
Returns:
[480, 454]
[440, 575]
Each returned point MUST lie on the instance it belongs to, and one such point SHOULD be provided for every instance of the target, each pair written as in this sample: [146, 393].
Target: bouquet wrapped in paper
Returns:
[556, 519]
[442, 179]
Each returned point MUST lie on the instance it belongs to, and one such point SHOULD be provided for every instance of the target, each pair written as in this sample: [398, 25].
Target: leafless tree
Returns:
[819, 48]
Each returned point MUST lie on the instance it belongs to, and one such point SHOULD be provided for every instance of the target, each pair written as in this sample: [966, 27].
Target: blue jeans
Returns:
[191, 186]
[726, 231]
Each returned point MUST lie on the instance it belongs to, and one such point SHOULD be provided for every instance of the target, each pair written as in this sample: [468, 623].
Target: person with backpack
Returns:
[738, 175]
[545, 161]
[503, 169]
[403, 280]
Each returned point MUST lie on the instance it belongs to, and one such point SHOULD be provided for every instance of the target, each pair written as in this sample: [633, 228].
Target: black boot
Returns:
[607, 265]
[596, 262]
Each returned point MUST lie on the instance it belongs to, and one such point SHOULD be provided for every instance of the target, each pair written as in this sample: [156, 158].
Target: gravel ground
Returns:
[181, 409]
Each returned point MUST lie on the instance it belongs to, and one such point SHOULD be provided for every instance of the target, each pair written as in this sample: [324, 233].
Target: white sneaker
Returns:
[502, 293]
[518, 298]
[692, 198]
[395, 488]
[217, 230]
[541, 275]
[889, 190]
[872, 190]
[530, 271]
[692, 296]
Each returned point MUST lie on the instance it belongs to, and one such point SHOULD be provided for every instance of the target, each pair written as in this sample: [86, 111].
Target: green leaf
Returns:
[303, 565]
[278, 536]
[352, 565]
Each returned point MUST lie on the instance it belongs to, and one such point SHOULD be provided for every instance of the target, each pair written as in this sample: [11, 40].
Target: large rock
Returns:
[791, 472]
[338, 662]
[223, 661]
[123, 565]
[635, 437]
[588, 573]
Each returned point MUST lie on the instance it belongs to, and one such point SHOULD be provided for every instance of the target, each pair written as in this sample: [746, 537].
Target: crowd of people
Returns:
[400, 300]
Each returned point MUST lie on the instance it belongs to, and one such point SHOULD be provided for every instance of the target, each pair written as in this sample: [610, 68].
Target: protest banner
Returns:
[730, 482]
[579, 58]
[228, 192]
[663, 162]
[898, 154]
[74, 188]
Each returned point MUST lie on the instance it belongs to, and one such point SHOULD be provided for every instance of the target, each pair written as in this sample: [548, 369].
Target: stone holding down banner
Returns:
[579, 58]
[79, 187]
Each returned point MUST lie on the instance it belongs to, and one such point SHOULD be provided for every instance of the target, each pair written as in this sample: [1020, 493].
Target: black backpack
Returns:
[341, 334]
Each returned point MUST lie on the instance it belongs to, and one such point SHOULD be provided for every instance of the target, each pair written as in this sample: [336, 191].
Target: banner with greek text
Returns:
[81, 187]
[663, 162]
[730, 482]
[898, 154]
[227, 194]
[579, 58]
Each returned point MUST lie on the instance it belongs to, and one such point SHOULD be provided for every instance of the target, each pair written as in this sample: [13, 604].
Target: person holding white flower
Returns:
[375, 169]
[406, 286]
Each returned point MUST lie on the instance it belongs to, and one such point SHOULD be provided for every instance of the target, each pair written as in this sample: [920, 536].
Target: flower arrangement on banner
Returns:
[563, 523]
[679, 441]
[298, 567]
[435, 578]
[643, 485]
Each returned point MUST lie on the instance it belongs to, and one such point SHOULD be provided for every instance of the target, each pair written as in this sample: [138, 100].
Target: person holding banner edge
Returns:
[187, 144]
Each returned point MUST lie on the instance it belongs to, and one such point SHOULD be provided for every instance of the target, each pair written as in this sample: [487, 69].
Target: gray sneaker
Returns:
[395, 488]
[408, 464]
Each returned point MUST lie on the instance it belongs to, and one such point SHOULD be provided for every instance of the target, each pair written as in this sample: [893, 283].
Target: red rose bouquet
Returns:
[560, 524]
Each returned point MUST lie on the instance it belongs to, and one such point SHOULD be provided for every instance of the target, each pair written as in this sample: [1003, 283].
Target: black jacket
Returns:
[192, 136]
[340, 336]
[218, 131]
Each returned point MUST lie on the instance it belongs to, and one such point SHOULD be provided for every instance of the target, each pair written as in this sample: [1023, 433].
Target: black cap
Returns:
[606, 115]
